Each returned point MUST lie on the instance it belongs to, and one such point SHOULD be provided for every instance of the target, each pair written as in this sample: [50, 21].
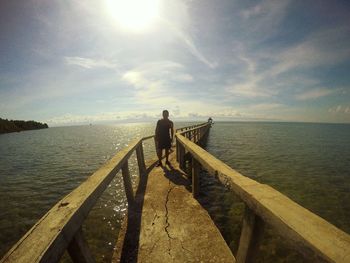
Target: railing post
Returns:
[140, 158]
[195, 177]
[78, 249]
[127, 183]
[252, 230]
[182, 156]
[177, 150]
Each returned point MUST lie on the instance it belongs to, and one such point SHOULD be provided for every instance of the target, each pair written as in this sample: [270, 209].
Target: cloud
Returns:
[176, 110]
[251, 84]
[249, 89]
[193, 115]
[247, 80]
[228, 112]
[266, 72]
[161, 71]
[264, 18]
[69, 119]
[201, 58]
[155, 82]
[325, 47]
[250, 63]
[193, 110]
[89, 63]
[340, 109]
[266, 106]
[224, 112]
[314, 94]
[189, 43]
[193, 49]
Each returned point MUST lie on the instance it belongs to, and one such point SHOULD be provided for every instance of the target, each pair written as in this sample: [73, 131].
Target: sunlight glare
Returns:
[134, 15]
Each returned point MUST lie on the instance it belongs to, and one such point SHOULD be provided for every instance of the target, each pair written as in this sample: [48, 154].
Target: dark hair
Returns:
[166, 111]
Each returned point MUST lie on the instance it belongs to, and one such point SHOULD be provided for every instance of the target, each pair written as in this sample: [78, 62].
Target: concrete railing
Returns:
[195, 134]
[311, 235]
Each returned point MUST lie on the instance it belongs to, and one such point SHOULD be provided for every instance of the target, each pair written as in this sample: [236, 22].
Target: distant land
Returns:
[7, 126]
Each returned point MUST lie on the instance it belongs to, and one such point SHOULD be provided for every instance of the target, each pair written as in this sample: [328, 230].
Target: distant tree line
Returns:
[18, 125]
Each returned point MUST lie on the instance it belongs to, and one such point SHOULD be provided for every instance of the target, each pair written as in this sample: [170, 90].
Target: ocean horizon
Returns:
[176, 120]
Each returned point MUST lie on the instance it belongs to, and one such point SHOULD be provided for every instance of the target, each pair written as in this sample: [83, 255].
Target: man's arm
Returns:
[172, 131]
[156, 132]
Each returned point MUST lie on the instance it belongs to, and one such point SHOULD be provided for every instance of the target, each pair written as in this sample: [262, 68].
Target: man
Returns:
[164, 136]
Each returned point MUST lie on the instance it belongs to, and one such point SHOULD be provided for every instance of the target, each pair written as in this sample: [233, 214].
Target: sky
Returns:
[71, 61]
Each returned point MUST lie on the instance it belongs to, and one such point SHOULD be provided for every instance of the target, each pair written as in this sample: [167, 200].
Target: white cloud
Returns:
[176, 110]
[251, 64]
[155, 82]
[260, 76]
[89, 63]
[176, 21]
[248, 89]
[340, 109]
[314, 94]
[266, 106]
[264, 18]
[189, 110]
[69, 119]
[253, 11]
[226, 112]
[189, 43]
[217, 64]
[322, 48]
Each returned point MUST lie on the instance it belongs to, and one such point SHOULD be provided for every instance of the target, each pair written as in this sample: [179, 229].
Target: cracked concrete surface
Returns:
[173, 225]
[167, 224]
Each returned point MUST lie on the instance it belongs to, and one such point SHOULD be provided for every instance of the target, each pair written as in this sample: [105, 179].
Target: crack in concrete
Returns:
[167, 224]
[155, 215]
[152, 248]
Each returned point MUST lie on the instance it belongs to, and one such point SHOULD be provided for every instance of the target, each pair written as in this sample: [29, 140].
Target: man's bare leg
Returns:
[159, 154]
[166, 155]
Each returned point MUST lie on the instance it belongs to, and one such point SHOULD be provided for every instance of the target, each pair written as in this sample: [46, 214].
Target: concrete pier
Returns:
[172, 225]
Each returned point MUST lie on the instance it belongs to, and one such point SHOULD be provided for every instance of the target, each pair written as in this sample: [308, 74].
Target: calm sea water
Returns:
[310, 163]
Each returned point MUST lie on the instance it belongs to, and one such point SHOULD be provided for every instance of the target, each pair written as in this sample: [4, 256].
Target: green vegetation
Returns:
[18, 125]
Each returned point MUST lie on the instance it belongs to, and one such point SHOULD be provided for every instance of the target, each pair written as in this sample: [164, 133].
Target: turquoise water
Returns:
[310, 163]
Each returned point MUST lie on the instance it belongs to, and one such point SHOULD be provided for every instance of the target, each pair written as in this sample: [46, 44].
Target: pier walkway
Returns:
[168, 225]
[165, 223]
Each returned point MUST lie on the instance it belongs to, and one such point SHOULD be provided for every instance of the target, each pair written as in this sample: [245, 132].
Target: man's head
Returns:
[165, 114]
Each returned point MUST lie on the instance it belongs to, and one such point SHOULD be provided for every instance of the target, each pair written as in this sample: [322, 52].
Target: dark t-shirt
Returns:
[163, 135]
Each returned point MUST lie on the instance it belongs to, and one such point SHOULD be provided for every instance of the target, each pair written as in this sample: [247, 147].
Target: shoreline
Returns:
[9, 126]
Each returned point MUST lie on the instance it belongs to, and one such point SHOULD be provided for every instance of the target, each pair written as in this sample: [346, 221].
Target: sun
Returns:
[134, 15]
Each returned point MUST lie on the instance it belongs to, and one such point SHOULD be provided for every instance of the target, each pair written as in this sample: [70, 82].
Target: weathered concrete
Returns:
[168, 225]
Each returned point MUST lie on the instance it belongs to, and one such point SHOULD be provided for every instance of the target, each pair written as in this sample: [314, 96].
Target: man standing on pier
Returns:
[164, 136]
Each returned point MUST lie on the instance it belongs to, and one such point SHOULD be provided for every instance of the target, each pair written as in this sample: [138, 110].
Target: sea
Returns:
[308, 162]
